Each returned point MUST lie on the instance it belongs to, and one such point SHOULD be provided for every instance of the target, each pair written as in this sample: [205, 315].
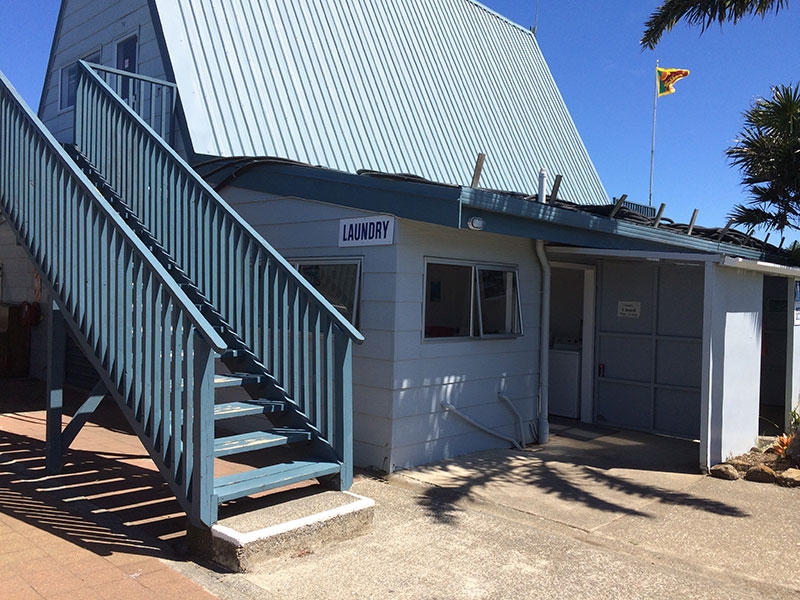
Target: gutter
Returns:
[759, 266]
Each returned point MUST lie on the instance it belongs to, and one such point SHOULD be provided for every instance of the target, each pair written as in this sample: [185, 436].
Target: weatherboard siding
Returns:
[301, 229]
[400, 379]
[88, 26]
[467, 372]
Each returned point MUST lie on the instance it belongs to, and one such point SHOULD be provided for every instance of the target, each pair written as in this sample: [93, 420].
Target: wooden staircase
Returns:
[213, 346]
[252, 413]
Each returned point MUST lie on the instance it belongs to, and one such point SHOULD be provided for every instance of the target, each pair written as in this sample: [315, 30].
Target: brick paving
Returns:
[96, 531]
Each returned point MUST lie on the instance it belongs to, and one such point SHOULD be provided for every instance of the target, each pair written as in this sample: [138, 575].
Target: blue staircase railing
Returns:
[151, 346]
[153, 99]
[301, 340]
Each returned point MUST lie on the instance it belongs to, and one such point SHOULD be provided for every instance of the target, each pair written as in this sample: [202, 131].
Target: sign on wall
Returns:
[366, 231]
[629, 309]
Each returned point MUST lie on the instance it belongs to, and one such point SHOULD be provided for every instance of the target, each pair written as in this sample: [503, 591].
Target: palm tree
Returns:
[703, 13]
[768, 155]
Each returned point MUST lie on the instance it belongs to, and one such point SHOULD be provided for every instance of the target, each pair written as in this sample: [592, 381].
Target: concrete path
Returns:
[620, 516]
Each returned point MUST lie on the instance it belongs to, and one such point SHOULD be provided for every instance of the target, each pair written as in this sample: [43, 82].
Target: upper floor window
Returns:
[69, 81]
[471, 300]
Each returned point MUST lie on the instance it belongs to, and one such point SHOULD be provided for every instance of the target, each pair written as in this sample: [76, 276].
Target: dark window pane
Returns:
[447, 300]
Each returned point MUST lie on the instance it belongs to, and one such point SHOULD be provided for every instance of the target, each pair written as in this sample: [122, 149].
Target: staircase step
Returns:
[230, 410]
[231, 353]
[247, 536]
[236, 379]
[258, 440]
[243, 484]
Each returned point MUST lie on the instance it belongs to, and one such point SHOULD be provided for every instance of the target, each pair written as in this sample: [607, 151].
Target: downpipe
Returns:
[450, 408]
[543, 429]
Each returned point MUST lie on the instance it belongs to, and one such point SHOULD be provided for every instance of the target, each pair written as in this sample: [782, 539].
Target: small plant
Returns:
[781, 444]
[794, 421]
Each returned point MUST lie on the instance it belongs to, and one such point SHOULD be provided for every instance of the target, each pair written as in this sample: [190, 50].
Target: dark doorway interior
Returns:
[772, 419]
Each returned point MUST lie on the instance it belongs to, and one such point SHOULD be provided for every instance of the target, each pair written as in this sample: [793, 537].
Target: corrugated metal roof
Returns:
[399, 86]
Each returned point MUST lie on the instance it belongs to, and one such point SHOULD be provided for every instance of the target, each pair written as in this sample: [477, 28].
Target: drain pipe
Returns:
[517, 417]
[544, 327]
[449, 407]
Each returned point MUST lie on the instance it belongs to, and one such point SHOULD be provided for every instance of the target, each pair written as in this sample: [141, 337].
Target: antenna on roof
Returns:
[535, 27]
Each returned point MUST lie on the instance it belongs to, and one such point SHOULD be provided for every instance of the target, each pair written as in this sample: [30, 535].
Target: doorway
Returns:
[774, 344]
[571, 344]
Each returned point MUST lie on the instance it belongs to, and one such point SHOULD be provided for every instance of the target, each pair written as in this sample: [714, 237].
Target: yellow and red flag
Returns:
[666, 79]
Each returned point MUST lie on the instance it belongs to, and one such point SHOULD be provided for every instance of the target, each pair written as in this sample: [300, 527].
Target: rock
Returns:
[792, 453]
[760, 473]
[789, 478]
[739, 464]
[724, 471]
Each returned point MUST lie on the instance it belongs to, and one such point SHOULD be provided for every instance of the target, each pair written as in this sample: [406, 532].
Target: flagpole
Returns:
[653, 141]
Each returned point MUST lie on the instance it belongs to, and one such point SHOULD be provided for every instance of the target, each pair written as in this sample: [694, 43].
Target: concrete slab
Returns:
[582, 484]
[297, 521]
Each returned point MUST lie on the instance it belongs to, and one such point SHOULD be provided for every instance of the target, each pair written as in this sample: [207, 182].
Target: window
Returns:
[448, 300]
[498, 302]
[126, 61]
[69, 81]
[126, 54]
[466, 300]
[337, 281]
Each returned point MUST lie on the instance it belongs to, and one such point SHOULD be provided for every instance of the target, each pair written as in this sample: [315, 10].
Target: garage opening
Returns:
[649, 347]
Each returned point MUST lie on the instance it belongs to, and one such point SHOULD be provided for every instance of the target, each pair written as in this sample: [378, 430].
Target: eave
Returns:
[454, 206]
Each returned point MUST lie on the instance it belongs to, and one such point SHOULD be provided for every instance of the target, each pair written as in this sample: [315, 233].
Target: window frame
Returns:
[68, 103]
[516, 295]
[476, 325]
[358, 261]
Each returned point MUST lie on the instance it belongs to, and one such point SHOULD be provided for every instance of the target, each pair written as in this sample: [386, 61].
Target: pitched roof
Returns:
[409, 86]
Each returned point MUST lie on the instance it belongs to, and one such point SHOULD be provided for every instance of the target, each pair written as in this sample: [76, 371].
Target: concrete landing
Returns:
[296, 526]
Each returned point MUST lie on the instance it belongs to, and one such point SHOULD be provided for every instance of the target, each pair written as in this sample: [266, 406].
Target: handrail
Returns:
[153, 99]
[204, 188]
[299, 337]
[148, 340]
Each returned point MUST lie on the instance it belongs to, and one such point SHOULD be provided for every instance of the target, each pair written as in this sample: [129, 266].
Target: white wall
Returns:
[399, 379]
[792, 352]
[734, 308]
[467, 372]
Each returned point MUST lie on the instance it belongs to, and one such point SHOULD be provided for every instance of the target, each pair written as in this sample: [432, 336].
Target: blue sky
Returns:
[606, 80]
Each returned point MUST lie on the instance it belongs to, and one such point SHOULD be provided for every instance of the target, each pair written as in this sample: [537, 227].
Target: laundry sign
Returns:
[629, 309]
[366, 231]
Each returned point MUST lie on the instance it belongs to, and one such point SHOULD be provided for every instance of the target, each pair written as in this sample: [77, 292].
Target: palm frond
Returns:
[703, 13]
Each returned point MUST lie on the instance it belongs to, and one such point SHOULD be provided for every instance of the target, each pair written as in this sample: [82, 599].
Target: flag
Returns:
[666, 79]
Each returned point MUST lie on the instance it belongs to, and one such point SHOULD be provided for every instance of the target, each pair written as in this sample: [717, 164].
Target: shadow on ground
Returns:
[597, 474]
[87, 503]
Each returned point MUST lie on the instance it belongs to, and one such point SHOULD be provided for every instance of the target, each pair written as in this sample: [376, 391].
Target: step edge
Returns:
[240, 539]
